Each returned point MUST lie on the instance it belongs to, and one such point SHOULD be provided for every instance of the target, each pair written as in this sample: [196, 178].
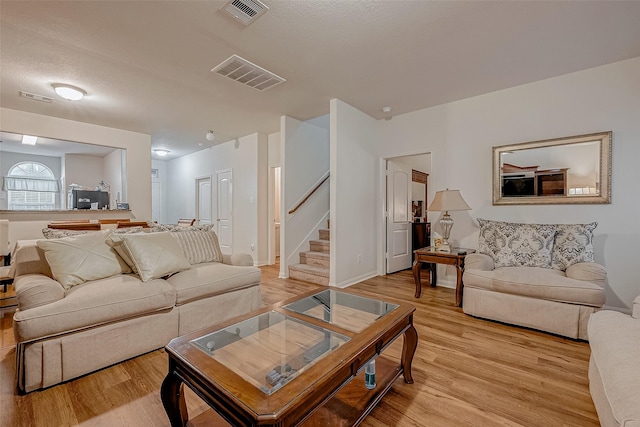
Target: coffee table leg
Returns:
[409, 347]
[172, 396]
[416, 277]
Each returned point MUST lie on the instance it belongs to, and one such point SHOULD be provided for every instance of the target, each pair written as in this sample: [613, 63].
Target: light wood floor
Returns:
[467, 372]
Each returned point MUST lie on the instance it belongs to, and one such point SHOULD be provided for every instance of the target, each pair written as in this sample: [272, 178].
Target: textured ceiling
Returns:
[145, 65]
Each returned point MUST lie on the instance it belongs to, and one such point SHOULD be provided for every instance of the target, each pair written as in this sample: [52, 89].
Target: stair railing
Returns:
[310, 193]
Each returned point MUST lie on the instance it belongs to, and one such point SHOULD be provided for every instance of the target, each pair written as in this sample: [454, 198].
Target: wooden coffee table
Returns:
[299, 361]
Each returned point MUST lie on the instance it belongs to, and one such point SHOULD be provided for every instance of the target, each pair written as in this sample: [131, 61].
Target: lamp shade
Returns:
[448, 200]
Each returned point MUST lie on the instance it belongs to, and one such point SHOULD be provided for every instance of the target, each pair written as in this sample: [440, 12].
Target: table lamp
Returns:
[447, 200]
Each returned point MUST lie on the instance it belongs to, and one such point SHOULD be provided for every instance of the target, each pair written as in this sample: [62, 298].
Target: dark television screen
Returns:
[82, 199]
[517, 186]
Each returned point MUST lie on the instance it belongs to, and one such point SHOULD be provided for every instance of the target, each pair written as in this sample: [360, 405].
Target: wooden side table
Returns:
[430, 255]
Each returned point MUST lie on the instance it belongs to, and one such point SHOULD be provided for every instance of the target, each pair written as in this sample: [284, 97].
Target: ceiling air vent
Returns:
[245, 11]
[247, 73]
[35, 97]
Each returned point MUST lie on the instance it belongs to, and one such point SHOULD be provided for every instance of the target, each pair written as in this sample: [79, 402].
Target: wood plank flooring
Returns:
[467, 372]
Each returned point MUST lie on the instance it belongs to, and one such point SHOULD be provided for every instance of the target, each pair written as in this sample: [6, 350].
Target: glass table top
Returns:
[351, 312]
[286, 347]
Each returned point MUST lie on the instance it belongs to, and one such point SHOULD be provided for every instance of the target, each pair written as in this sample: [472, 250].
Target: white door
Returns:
[398, 217]
[224, 210]
[203, 200]
[156, 202]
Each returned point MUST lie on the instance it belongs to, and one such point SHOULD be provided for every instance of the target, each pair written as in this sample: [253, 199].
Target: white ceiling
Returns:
[145, 65]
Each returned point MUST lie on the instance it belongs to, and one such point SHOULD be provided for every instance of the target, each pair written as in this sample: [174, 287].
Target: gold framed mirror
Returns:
[568, 170]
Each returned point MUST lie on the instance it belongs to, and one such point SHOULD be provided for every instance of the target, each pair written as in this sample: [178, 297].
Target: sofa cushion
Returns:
[95, 303]
[573, 244]
[614, 339]
[78, 259]
[536, 282]
[213, 278]
[199, 246]
[154, 255]
[518, 245]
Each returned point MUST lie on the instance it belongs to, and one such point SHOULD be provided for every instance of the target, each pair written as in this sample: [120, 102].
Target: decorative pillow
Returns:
[199, 246]
[516, 245]
[78, 259]
[115, 241]
[155, 228]
[574, 244]
[154, 254]
[56, 233]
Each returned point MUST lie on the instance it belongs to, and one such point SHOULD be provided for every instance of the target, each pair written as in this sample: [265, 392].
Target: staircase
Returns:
[314, 264]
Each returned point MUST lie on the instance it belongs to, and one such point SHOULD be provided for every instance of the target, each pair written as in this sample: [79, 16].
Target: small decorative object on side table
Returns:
[432, 255]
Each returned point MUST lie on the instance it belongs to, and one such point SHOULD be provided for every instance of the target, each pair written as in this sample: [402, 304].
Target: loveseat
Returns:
[614, 371]
[541, 276]
[89, 301]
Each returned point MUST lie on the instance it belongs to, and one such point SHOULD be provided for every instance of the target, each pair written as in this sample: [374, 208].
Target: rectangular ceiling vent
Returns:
[35, 97]
[245, 11]
[247, 73]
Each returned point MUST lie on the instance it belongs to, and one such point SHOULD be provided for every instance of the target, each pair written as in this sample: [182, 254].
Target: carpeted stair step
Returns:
[323, 234]
[319, 259]
[309, 273]
[319, 246]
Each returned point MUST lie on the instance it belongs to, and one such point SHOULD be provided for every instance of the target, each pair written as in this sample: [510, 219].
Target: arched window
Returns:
[31, 186]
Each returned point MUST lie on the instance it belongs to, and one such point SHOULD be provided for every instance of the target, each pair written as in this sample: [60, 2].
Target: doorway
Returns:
[274, 214]
[405, 202]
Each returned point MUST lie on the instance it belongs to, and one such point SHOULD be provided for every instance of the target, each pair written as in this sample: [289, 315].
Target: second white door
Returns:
[224, 210]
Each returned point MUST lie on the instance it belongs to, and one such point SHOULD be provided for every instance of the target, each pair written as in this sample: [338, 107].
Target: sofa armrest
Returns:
[34, 290]
[588, 272]
[636, 308]
[238, 259]
[29, 259]
[478, 261]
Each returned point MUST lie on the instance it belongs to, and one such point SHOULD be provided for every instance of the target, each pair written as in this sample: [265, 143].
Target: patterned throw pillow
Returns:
[155, 228]
[57, 233]
[517, 245]
[574, 244]
[199, 246]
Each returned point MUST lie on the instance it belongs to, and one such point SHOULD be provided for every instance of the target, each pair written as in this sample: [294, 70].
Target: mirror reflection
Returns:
[48, 174]
[565, 170]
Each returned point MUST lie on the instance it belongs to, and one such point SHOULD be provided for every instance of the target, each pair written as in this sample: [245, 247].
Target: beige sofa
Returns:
[65, 329]
[540, 276]
[614, 367]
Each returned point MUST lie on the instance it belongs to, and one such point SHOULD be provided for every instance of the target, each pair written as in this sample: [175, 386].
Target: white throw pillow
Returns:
[155, 255]
[78, 259]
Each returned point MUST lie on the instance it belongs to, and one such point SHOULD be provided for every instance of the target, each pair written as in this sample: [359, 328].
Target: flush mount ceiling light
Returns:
[210, 136]
[161, 152]
[72, 93]
[29, 140]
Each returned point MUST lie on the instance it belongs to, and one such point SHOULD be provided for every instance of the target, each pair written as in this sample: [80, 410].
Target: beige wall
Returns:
[137, 145]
